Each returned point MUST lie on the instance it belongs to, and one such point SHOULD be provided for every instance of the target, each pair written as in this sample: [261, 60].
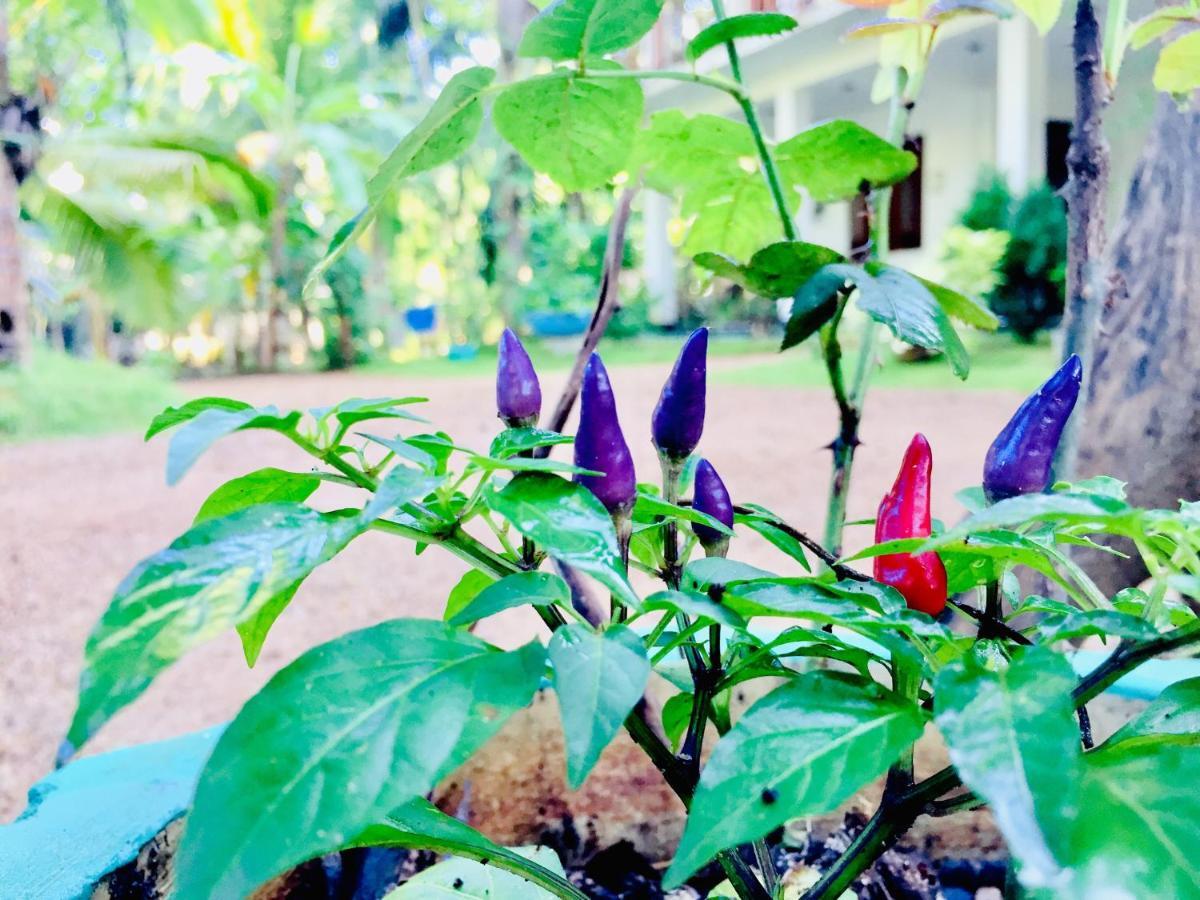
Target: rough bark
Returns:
[1086, 192]
[1143, 411]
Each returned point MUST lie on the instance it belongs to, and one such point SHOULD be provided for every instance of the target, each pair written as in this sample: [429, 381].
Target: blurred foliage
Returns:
[57, 394]
[1022, 240]
[197, 156]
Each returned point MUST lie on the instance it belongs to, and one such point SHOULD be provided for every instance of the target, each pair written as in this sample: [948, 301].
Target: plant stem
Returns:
[1128, 657]
[770, 170]
[720, 84]
[850, 406]
[843, 572]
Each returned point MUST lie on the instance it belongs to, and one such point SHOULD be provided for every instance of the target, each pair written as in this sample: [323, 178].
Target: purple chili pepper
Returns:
[518, 394]
[678, 419]
[1019, 460]
[599, 443]
[712, 497]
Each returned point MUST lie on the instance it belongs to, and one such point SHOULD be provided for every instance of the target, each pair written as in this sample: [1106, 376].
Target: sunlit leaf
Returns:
[755, 24]
[576, 29]
[338, 739]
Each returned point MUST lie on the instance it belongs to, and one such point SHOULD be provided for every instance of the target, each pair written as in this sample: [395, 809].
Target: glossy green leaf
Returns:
[579, 131]
[1137, 825]
[1172, 718]
[649, 507]
[577, 29]
[599, 677]
[528, 464]
[1178, 67]
[694, 604]
[676, 713]
[815, 303]
[756, 24]
[447, 130]
[400, 484]
[466, 590]
[568, 522]
[765, 523]
[177, 415]
[832, 160]
[777, 270]
[513, 441]
[533, 588]
[900, 301]
[801, 750]
[419, 825]
[267, 485]
[732, 213]
[1065, 508]
[204, 428]
[1013, 738]
[362, 409]
[715, 571]
[473, 880]
[335, 741]
[405, 450]
[218, 574]
[1079, 623]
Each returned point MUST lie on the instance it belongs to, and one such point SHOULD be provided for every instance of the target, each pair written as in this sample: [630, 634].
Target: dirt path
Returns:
[76, 515]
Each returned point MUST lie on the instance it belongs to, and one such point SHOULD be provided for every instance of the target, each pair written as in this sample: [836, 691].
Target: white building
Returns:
[997, 94]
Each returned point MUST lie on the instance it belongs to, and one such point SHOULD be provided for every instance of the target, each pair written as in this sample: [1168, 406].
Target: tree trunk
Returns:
[14, 293]
[1143, 411]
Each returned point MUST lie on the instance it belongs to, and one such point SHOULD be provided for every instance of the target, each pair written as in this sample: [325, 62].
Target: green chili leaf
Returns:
[576, 29]
[578, 131]
[599, 677]
[338, 739]
[801, 750]
[759, 24]
[1013, 738]
[569, 523]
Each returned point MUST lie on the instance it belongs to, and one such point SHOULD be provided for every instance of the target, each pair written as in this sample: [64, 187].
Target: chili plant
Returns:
[342, 746]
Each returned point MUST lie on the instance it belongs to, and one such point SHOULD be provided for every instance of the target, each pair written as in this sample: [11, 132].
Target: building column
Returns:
[658, 259]
[1020, 103]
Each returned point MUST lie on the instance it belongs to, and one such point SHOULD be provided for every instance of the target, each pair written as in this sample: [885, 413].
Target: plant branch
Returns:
[606, 305]
[1088, 289]
[991, 626]
[841, 570]
[1128, 657]
[770, 169]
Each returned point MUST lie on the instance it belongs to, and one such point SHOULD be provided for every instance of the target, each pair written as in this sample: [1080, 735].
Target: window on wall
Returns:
[1058, 142]
[905, 218]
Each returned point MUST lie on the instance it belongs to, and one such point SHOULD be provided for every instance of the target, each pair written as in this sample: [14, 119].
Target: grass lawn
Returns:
[997, 363]
[60, 395]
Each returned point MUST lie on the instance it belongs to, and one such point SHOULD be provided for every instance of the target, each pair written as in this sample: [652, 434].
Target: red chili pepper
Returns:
[904, 513]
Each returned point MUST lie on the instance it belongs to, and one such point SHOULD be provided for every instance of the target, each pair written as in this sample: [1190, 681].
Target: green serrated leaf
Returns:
[1013, 738]
[577, 29]
[579, 131]
[534, 588]
[777, 270]
[801, 750]
[832, 160]
[267, 485]
[335, 741]
[961, 307]
[756, 24]
[599, 677]
[568, 522]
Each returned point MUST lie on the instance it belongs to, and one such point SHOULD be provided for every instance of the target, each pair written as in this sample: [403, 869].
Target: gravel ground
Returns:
[77, 514]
